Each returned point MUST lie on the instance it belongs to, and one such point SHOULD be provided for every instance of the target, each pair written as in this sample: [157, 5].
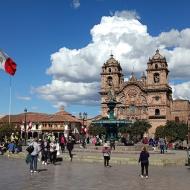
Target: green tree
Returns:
[96, 130]
[160, 132]
[7, 129]
[172, 131]
[176, 130]
[138, 129]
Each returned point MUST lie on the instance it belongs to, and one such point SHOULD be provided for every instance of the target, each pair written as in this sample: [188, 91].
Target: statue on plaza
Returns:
[111, 95]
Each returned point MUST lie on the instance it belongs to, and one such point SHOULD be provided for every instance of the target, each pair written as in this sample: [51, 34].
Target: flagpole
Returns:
[10, 67]
[10, 99]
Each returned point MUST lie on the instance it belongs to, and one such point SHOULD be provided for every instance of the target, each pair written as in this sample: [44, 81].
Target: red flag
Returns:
[7, 64]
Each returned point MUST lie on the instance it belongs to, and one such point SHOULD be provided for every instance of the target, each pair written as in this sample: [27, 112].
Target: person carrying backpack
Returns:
[34, 156]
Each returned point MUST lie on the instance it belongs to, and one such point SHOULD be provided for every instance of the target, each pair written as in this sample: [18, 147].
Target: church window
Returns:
[156, 77]
[110, 70]
[156, 66]
[109, 81]
[157, 98]
[157, 112]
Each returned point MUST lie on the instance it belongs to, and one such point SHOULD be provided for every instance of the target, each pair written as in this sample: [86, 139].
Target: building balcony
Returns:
[157, 117]
[52, 129]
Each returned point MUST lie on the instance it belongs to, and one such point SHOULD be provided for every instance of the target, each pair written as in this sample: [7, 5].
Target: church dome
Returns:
[157, 56]
[112, 61]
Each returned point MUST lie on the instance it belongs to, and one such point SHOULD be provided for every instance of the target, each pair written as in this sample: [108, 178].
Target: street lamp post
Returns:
[83, 117]
[25, 111]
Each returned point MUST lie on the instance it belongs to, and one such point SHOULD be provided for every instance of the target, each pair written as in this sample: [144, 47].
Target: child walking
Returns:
[144, 160]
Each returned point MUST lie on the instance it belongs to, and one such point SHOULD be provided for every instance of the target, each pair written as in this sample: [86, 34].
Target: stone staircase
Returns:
[123, 155]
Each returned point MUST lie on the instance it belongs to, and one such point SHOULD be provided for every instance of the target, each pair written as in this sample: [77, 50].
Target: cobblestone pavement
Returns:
[15, 175]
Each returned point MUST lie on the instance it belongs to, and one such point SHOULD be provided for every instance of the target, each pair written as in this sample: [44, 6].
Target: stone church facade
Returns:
[149, 97]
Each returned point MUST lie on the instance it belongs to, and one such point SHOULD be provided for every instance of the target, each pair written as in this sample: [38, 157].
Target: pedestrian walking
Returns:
[70, 146]
[45, 151]
[106, 154]
[162, 145]
[83, 141]
[53, 152]
[112, 143]
[57, 148]
[34, 156]
[63, 143]
[144, 160]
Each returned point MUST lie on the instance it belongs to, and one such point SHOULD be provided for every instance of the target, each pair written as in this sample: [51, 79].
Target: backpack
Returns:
[30, 149]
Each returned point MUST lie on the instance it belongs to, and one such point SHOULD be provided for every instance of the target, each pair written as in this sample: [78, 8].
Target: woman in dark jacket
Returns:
[70, 146]
[143, 158]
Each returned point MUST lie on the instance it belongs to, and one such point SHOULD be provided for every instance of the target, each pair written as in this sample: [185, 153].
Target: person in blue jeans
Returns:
[34, 156]
[162, 145]
[11, 147]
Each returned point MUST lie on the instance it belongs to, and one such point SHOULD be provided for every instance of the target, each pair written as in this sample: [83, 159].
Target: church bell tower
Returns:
[159, 91]
[111, 78]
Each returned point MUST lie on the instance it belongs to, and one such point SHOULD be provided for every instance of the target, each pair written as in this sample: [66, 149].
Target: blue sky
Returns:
[60, 45]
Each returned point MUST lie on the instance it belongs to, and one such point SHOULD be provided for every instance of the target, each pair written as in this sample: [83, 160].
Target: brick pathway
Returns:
[85, 176]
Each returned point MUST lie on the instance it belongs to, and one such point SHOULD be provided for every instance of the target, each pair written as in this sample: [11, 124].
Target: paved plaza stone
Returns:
[15, 175]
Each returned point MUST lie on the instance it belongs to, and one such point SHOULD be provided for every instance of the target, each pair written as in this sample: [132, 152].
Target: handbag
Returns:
[30, 149]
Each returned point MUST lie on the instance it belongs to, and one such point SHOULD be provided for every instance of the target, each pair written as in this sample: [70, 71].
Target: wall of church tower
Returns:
[109, 80]
[157, 78]
[163, 78]
[159, 106]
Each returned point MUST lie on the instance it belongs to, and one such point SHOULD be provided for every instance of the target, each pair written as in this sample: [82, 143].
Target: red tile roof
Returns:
[61, 116]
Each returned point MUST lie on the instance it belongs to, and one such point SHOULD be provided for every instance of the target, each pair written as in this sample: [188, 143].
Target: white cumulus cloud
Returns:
[181, 90]
[62, 93]
[76, 72]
